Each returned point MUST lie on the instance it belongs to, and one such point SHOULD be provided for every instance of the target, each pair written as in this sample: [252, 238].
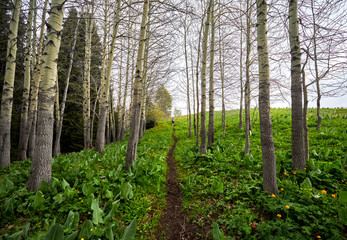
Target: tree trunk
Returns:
[119, 96]
[267, 143]
[211, 89]
[86, 80]
[57, 109]
[136, 106]
[30, 133]
[197, 88]
[315, 57]
[247, 84]
[298, 152]
[145, 68]
[56, 150]
[241, 77]
[123, 110]
[22, 147]
[194, 117]
[306, 139]
[105, 86]
[7, 92]
[41, 167]
[221, 62]
[187, 74]
[203, 80]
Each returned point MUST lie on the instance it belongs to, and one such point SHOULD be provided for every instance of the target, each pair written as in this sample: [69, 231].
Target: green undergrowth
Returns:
[223, 188]
[91, 195]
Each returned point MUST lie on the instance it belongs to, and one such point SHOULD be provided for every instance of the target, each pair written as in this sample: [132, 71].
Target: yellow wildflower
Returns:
[282, 189]
[42, 195]
[319, 237]
[294, 173]
[323, 191]
[273, 195]
[287, 207]
[279, 215]
[333, 195]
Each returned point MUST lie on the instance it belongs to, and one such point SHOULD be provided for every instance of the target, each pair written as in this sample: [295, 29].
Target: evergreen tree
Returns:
[72, 131]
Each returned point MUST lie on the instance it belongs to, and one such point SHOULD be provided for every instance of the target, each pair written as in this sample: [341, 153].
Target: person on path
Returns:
[173, 122]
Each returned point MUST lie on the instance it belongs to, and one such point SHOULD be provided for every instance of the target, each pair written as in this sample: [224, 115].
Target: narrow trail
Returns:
[173, 223]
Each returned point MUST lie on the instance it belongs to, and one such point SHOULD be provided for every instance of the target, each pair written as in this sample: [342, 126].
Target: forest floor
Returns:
[173, 223]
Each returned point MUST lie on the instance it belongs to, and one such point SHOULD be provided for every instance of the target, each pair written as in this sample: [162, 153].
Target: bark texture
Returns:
[22, 147]
[298, 157]
[7, 92]
[30, 133]
[41, 167]
[247, 83]
[203, 80]
[86, 80]
[211, 89]
[267, 142]
[187, 75]
[105, 87]
[136, 106]
[241, 77]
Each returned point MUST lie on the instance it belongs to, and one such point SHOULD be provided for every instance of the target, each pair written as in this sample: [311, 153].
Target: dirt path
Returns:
[173, 223]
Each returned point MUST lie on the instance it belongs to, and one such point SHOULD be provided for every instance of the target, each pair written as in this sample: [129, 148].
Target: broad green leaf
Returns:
[111, 213]
[38, 200]
[109, 233]
[48, 225]
[315, 173]
[26, 229]
[87, 189]
[130, 231]
[108, 194]
[97, 212]
[55, 233]
[22, 234]
[9, 206]
[72, 220]
[44, 186]
[126, 191]
[343, 197]
[72, 236]
[343, 215]
[65, 184]
[6, 185]
[306, 184]
[217, 234]
[86, 230]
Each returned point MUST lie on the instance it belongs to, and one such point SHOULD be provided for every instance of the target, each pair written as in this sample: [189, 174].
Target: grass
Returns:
[92, 196]
[225, 187]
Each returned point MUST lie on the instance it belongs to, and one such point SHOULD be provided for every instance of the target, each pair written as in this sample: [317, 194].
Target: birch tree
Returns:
[30, 134]
[203, 79]
[41, 167]
[105, 86]
[187, 76]
[7, 92]
[248, 82]
[86, 76]
[26, 90]
[298, 152]
[266, 136]
[211, 89]
[136, 105]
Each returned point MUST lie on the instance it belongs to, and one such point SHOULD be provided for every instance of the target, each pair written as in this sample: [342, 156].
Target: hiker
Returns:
[173, 122]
